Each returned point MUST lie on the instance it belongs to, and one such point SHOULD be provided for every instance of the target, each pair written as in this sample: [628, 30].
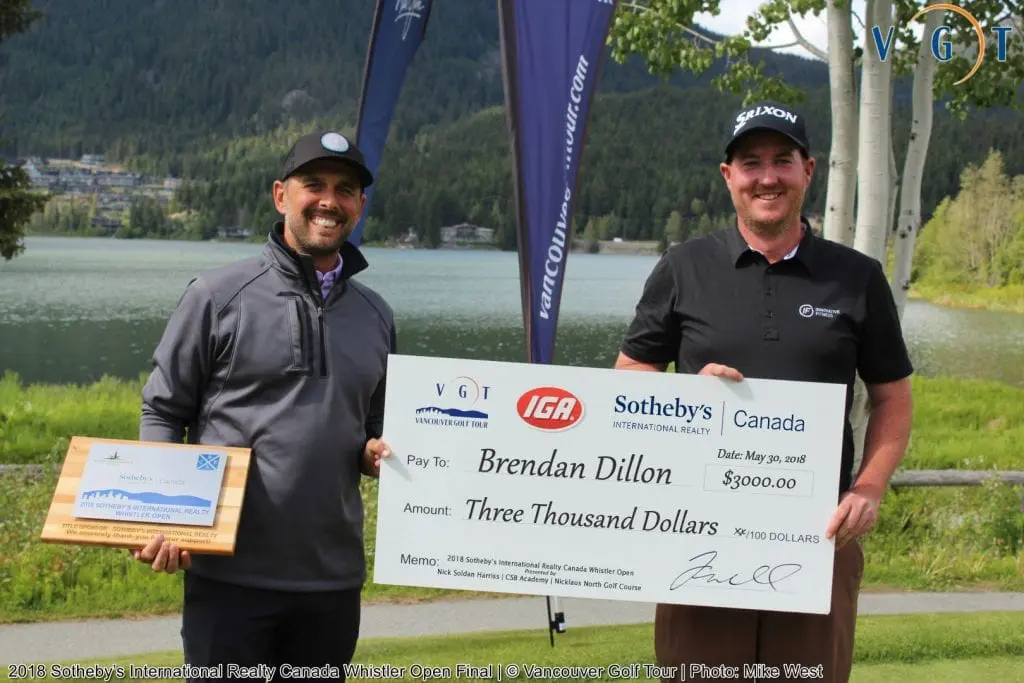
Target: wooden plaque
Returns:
[62, 526]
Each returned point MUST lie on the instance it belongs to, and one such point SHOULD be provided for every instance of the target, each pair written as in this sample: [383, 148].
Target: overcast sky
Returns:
[733, 15]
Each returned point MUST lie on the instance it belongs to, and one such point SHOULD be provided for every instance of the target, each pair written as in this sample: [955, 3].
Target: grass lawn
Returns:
[928, 648]
[926, 538]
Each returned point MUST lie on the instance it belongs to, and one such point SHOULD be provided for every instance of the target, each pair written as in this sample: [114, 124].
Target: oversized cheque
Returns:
[595, 483]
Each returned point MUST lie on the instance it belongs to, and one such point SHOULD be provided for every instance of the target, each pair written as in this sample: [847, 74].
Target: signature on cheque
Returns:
[763, 575]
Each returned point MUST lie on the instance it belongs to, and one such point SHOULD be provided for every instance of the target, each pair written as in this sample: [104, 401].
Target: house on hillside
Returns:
[107, 224]
[234, 233]
[466, 234]
[119, 179]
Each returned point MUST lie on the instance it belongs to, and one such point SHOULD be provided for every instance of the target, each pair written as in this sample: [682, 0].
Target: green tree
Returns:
[662, 33]
[505, 236]
[17, 200]
[504, 229]
[674, 228]
[432, 235]
[199, 226]
[977, 238]
[590, 242]
[705, 226]
[603, 227]
[373, 231]
[146, 218]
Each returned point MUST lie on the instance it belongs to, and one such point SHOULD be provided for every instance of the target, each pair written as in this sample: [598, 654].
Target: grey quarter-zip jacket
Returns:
[253, 357]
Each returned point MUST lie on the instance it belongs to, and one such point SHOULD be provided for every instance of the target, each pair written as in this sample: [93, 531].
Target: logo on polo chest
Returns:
[809, 311]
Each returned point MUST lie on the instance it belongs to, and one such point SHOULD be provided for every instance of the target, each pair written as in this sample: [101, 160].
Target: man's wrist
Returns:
[869, 487]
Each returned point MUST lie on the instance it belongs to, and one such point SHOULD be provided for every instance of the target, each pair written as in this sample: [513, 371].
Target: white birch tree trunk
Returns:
[874, 141]
[894, 184]
[894, 175]
[909, 222]
[842, 166]
[873, 180]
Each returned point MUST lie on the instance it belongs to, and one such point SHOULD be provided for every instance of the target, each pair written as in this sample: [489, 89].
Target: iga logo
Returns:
[550, 408]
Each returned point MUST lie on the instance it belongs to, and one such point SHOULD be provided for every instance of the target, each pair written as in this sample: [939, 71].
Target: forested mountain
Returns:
[648, 153]
[214, 90]
[159, 74]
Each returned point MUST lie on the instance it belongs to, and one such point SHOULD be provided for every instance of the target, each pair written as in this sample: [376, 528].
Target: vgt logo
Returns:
[550, 408]
[942, 46]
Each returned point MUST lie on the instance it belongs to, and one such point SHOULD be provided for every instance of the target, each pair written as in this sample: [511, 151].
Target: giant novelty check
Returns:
[600, 483]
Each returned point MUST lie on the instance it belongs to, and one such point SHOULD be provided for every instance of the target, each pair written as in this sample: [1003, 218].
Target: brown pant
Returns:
[685, 636]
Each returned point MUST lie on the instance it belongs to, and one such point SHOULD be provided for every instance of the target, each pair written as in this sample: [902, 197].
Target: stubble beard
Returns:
[766, 229]
[773, 229]
[300, 227]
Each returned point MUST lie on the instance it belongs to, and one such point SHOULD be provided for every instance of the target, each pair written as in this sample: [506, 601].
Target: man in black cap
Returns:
[286, 354]
[769, 299]
[310, 227]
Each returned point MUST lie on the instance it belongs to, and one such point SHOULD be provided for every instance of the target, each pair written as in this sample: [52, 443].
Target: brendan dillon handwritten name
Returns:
[677, 521]
[631, 469]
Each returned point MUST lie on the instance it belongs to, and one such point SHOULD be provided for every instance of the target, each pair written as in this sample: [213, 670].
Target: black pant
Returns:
[224, 624]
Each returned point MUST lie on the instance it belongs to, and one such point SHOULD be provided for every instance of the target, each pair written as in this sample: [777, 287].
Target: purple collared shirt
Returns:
[328, 279]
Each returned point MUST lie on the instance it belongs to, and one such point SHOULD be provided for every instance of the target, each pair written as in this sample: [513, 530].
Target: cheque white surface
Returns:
[597, 483]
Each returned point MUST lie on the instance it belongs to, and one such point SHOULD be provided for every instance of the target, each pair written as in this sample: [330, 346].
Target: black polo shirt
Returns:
[822, 315]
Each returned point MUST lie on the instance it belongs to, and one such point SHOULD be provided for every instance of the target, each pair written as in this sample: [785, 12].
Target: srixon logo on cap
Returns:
[759, 111]
[552, 409]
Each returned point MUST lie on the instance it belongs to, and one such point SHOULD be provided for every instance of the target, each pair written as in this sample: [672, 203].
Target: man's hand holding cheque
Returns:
[857, 511]
[374, 451]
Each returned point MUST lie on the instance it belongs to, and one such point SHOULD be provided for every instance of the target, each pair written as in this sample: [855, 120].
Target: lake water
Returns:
[72, 310]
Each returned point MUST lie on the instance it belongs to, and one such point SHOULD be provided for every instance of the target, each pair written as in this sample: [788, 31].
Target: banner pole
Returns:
[551, 56]
[395, 36]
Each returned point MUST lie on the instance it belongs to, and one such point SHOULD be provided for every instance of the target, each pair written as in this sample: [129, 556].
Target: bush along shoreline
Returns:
[929, 538]
[1009, 298]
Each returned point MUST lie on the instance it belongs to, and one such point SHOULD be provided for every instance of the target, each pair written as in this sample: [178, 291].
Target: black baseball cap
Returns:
[768, 116]
[326, 144]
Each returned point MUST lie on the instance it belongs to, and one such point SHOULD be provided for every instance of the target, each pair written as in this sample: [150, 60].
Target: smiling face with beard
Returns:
[768, 177]
[321, 204]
